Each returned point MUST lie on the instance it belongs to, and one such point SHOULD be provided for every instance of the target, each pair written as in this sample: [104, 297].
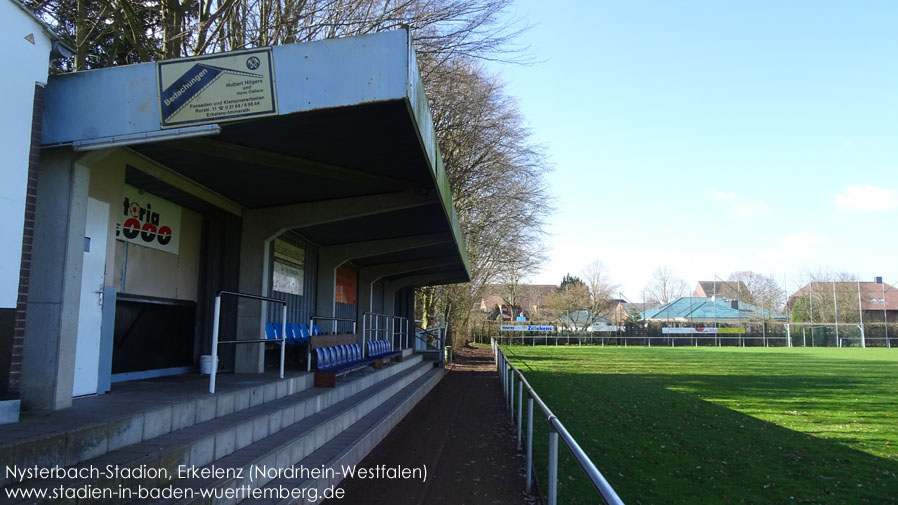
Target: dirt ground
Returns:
[462, 434]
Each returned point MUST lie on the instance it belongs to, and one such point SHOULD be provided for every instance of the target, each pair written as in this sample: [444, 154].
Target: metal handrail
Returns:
[401, 333]
[671, 338]
[216, 323]
[441, 332]
[366, 316]
[556, 431]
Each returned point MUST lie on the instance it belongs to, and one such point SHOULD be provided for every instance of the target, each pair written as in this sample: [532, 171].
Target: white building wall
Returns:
[25, 64]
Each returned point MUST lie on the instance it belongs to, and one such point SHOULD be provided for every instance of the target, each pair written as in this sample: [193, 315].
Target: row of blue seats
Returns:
[381, 349]
[340, 358]
[296, 333]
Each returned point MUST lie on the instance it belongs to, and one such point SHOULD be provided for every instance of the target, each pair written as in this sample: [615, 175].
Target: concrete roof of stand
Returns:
[352, 121]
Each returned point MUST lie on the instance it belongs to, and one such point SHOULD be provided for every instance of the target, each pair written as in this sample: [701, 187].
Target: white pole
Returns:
[215, 318]
[860, 314]
[520, 410]
[836, 310]
[283, 337]
[553, 465]
[529, 442]
[885, 316]
[510, 392]
[309, 347]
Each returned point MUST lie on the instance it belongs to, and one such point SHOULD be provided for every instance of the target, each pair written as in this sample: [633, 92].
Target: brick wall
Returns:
[18, 339]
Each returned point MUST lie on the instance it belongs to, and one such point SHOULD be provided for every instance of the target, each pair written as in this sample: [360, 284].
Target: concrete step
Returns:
[201, 443]
[429, 354]
[349, 448]
[315, 437]
[86, 433]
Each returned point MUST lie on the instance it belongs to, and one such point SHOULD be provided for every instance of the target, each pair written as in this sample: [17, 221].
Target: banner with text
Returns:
[521, 327]
[149, 221]
[690, 331]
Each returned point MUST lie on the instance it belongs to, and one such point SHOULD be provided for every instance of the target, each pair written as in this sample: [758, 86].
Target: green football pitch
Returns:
[722, 425]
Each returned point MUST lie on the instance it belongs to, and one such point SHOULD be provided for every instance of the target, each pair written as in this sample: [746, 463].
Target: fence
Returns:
[748, 334]
[507, 375]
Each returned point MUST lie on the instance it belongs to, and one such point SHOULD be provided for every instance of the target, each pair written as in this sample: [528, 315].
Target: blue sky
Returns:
[714, 136]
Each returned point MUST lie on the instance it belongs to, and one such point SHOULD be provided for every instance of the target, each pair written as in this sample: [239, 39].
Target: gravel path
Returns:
[464, 437]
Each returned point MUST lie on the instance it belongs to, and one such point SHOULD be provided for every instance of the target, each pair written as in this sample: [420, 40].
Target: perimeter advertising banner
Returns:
[522, 327]
[699, 329]
[216, 88]
[149, 221]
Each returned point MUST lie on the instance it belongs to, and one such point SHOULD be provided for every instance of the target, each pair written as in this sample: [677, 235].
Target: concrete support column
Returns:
[389, 298]
[254, 245]
[54, 296]
[327, 282]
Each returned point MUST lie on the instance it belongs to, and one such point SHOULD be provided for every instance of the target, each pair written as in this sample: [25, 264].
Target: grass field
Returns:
[723, 425]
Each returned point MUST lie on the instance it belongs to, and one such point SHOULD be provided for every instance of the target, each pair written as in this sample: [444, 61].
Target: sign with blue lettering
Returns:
[216, 88]
[522, 327]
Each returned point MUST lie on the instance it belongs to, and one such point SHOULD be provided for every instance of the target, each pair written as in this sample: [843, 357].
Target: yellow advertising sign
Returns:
[731, 330]
[216, 88]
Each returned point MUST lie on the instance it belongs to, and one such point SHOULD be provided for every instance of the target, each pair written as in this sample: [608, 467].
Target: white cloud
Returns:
[867, 198]
[740, 207]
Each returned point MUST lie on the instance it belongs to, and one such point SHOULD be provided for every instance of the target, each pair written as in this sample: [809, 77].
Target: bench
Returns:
[296, 335]
[382, 349]
[338, 359]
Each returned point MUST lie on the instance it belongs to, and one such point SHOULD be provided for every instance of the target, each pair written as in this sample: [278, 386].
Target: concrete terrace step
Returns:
[351, 446]
[314, 435]
[201, 443]
[92, 427]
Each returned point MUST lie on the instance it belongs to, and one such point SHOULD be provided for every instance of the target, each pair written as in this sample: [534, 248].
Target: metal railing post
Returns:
[529, 442]
[553, 464]
[283, 337]
[309, 347]
[520, 409]
[364, 330]
[215, 321]
[510, 388]
[511, 393]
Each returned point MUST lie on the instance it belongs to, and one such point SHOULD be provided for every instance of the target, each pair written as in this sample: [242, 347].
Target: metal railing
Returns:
[507, 374]
[216, 323]
[401, 336]
[312, 332]
[665, 340]
[434, 339]
[371, 326]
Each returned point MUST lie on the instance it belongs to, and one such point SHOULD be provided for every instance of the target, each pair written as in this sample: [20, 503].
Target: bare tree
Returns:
[581, 303]
[762, 290]
[664, 287]
[827, 296]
